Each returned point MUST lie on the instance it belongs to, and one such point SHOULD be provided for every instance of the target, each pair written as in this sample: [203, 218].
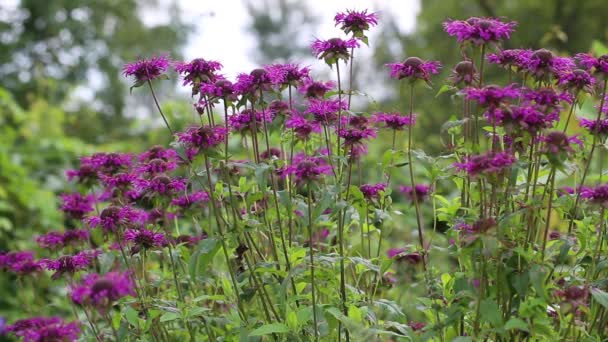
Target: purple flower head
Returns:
[287, 74]
[156, 166]
[491, 163]
[325, 111]
[333, 49]
[395, 120]
[144, 70]
[464, 72]
[186, 201]
[595, 65]
[202, 137]
[45, 329]
[278, 107]
[597, 195]
[85, 174]
[302, 127]
[543, 62]
[253, 83]
[317, 89]
[414, 68]
[244, 122]
[221, 89]
[356, 22]
[517, 59]
[307, 169]
[76, 205]
[523, 118]
[20, 263]
[558, 146]
[595, 126]
[547, 97]
[69, 263]
[57, 240]
[575, 296]
[271, 153]
[355, 135]
[102, 291]
[420, 192]
[576, 80]
[372, 191]
[114, 217]
[492, 95]
[393, 252]
[162, 185]
[107, 163]
[188, 240]
[479, 30]
[145, 239]
[158, 152]
[198, 71]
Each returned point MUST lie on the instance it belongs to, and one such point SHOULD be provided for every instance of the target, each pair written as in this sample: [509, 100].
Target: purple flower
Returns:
[45, 329]
[393, 252]
[395, 120]
[325, 111]
[593, 126]
[356, 22]
[243, 122]
[479, 30]
[492, 95]
[144, 238]
[523, 118]
[287, 74]
[597, 195]
[156, 166]
[420, 192]
[102, 291]
[146, 69]
[543, 62]
[56, 240]
[464, 72]
[355, 135]
[188, 200]
[21, 262]
[107, 163]
[333, 49]
[595, 65]
[414, 68]
[253, 83]
[307, 169]
[317, 89]
[576, 80]
[372, 191]
[86, 174]
[202, 137]
[158, 152]
[198, 71]
[490, 163]
[113, 217]
[161, 185]
[221, 89]
[547, 97]
[558, 143]
[302, 127]
[517, 59]
[69, 263]
[76, 205]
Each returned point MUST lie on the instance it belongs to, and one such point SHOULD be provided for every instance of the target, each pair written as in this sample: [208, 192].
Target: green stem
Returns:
[312, 263]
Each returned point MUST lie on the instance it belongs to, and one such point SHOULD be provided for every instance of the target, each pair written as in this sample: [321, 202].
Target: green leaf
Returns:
[169, 316]
[490, 312]
[444, 88]
[132, 316]
[202, 256]
[600, 296]
[517, 324]
[274, 328]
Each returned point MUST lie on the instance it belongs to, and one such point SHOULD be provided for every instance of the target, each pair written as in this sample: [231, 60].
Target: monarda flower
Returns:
[325, 111]
[394, 252]
[414, 68]
[85, 174]
[76, 205]
[114, 217]
[244, 123]
[102, 291]
[333, 49]
[144, 70]
[108, 163]
[198, 71]
[597, 195]
[479, 30]
[284, 75]
[302, 127]
[57, 240]
[186, 201]
[202, 137]
[547, 97]
[21, 262]
[574, 296]
[158, 152]
[308, 169]
[45, 329]
[576, 80]
[595, 126]
[372, 191]
[491, 163]
[145, 239]
[356, 22]
[464, 72]
[516, 59]
[558, 142]
[271, 153]
[221, 89]
[69, 264]
[420, 192]
[156, 166]
[492, 95]
[317, 89]
[352, 135]
[597, 66]
[162, 185]
[253, 83]
[394, 120]
[527, 118]
[543, 63]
